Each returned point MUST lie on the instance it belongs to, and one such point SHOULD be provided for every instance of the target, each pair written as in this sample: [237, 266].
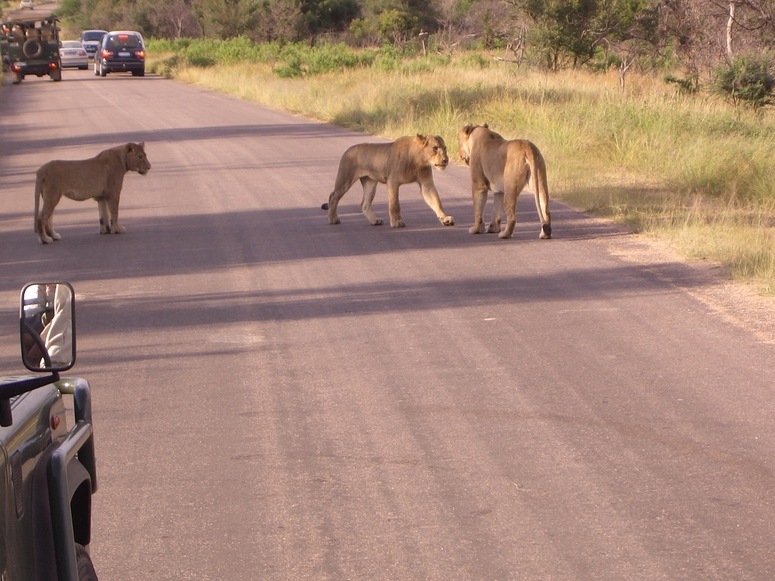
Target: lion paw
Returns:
[476, 228]
[397, 224]
[448, 221]
[377, 222]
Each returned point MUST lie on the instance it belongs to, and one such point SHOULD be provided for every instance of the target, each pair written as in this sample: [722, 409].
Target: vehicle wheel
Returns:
[32, 48]
[86, 570]
[103, 72]
[17, 78]
[56, 75]
[96, 72]
[83, 68]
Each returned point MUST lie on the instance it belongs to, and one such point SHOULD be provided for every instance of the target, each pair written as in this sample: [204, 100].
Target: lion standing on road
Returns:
[407, 160]
[505, 167]
[100, 177]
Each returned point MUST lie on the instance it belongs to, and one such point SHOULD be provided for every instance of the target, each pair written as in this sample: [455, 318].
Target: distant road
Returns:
[278, 398]
[40, 10]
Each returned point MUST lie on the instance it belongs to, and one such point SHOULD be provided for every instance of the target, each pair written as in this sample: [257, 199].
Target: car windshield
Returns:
[123, 41]
[71, 44]
[93, 35]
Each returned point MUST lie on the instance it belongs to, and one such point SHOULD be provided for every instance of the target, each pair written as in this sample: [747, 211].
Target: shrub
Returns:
[746, 80]
[298, 60]
[689, 85]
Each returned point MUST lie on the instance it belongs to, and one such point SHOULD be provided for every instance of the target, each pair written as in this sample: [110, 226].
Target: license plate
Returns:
[21, 63]
[123, 54]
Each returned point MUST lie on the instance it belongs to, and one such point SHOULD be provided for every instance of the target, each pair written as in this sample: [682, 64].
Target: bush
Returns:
[746, 80]
[298, 60]
[688, 85]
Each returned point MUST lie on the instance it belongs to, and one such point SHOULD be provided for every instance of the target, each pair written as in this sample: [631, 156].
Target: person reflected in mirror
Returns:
[57, 335]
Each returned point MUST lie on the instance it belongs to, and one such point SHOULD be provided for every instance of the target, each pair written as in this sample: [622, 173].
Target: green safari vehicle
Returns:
[31, 47]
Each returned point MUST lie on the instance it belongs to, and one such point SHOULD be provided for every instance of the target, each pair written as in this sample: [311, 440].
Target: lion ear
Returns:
[485, 125]
[420, 137]
[468, 129]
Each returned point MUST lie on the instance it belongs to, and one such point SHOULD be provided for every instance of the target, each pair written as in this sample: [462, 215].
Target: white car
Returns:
[26, 4]
[91, 40]
[73, 55]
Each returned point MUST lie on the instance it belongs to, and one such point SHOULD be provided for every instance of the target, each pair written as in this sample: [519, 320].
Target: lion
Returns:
[407, 160]
[100, 177]
[506, 167]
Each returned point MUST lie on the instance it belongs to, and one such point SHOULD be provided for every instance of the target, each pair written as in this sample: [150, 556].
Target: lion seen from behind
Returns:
[100, 178]
[408, 159]
[505, 167]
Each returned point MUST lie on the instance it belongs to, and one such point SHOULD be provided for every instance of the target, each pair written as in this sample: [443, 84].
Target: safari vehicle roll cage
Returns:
[31, 47]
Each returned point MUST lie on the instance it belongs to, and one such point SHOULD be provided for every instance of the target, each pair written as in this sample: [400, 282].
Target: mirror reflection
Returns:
[47, 320]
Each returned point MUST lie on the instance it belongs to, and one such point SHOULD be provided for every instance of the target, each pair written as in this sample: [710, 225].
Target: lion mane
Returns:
[408, 159]
[505, 167]
[100, 177]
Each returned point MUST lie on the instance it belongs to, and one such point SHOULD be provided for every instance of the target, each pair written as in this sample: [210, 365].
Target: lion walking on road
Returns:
[505, 167]
[407, 160]
[100, 177]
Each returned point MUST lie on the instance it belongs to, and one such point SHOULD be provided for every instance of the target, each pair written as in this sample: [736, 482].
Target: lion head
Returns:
[434, 150]
[136, 160]
[464, 141]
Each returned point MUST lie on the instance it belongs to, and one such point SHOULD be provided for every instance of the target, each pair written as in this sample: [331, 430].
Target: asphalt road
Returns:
[278, 398]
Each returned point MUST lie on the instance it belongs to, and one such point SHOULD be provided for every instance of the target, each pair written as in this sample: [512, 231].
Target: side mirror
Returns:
[47, 326]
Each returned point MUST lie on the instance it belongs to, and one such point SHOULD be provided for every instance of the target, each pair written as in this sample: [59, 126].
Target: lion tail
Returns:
[540, 186]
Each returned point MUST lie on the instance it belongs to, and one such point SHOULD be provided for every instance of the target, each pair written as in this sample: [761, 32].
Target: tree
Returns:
[562, 29]
[230, 18]
[329, 15]
[173, 19]
[629, 29]
[396, 25]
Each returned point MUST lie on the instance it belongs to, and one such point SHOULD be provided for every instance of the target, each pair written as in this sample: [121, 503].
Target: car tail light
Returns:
[106, 53]
[53, 66]
[15, 68]
[140, 54]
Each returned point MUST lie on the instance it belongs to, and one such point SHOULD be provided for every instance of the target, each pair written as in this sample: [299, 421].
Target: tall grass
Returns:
[688, 168]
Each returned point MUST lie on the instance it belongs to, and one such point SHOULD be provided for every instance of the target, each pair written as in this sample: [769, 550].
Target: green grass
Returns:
[687, 168]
